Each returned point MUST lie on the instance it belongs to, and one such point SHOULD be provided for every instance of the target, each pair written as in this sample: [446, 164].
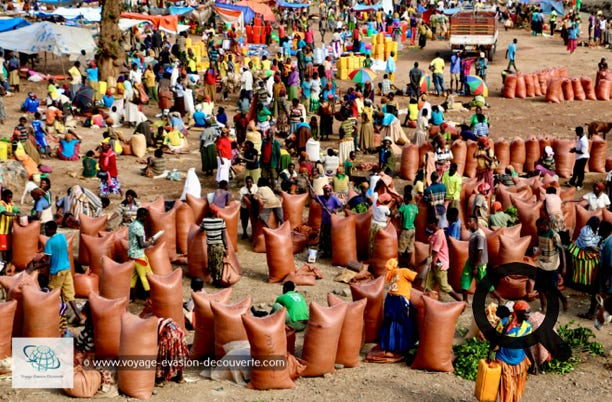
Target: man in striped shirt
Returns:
[217, 246]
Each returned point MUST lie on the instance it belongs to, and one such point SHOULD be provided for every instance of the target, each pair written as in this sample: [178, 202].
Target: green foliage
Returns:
[467, 357]
[579, 340]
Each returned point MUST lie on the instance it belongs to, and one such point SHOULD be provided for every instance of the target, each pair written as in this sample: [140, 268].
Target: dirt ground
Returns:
[591, 381]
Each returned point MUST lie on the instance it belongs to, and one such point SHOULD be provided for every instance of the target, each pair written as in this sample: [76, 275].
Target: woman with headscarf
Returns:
[585, 253]
[480, 209]
[398, 333]
[224, 156]
[69, 147]
[326, 112]
[514, 361]
[546, 164]
[366, 132]
[294, 84]
[484, 158]
[108, 174]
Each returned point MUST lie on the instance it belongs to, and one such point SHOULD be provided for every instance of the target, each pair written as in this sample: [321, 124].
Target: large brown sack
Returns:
[199, 206]
[385, 248]
[197, 253]
[470, 161]
[564, 160]
[86, 283]
[159, 258]
[521, 87]
[509, 89]
[116, 278]
[321, 338]
[165, 221]
[14, 286]
[352, 334]
[293, 207]
[41, 318]
[602, 90]
[88, 226]
[493, 243]
[579, 94]
[608, 163]
[532, 153]
[528, 214]
[228, 324]
[589, 89]
[543, 82]
[459, 150]
[97, 248]
[513, 287]
[230, 214]
[315, 214]
[374, 292]
[7, 315]
[85, 382]
[423, 150]
[518, 154]
[409, 163]
[279, 252]
[568, 90]
[138, 338]
[106, 315]
[268, 341]
[597, 160]
[343, 240]
[536, 85]
[138, 143]
[530, 91]
[167, 296]
[502, 152]
[159, 204]
[435, 351]
[554, 92]
[582, 217]
[184, 219]
[512, 249]
[363, 222]
[25, 244]
[458, 256]
[420, 221]
[204, 330]
[259, 240]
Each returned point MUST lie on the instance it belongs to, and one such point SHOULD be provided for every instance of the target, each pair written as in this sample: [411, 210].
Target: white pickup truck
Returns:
[475, 31]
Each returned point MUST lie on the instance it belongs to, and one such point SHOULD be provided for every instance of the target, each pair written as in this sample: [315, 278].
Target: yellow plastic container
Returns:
[343, 74]
[188, 43]
[343, 63]
[374, 40]
[487, 381]
[3, 150]
[102, 87]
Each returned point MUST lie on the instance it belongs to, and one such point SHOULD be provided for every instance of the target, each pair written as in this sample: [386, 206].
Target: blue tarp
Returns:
[364, 7]
[549, 5]
[247, 13]
[281, 3]
[12, 23]
[180, 10]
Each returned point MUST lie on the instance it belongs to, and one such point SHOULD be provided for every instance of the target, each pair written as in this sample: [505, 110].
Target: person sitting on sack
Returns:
[297, 314]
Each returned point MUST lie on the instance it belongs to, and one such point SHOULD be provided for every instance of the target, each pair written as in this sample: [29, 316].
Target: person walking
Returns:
[216, 242]
[390, 67]
[581, 150]
[550, 257]
[511, 55]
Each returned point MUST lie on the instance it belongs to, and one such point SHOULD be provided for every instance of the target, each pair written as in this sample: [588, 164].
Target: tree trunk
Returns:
[110, 53]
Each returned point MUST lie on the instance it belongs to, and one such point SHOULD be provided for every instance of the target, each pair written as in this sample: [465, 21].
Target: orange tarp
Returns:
[168, 22]
[259, 8]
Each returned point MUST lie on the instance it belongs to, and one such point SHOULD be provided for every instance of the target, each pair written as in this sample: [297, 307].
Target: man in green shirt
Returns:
[499, 218]
[408, 211]
[453, 183]
[297, 309]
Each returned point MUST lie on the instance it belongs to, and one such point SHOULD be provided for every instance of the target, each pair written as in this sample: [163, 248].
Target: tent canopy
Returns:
[168, 23]
[48, 37]
[174, 10]
[549, 5]
[365, 7]
[247, 13]
[9, 24]
[87, 13]
[233, 17]
[259, 8]
[281, 3]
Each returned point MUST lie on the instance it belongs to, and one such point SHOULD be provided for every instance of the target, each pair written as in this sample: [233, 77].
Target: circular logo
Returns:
[544, 335]
[41, 357]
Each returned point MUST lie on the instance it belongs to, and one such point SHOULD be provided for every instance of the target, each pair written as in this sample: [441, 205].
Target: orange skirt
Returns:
[513, 379]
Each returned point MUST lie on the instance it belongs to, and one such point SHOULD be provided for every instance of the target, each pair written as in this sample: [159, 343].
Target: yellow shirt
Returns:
[149, 78]
[76, 76]
[266, 64]
[438, 64]
[379, 17]
[453, 185]
[174, 138]
[400, 280]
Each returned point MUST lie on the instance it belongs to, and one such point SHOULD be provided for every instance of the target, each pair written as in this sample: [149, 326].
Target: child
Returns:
[90, 165]
[197, 286]
[40, 135]
[408, 212]
[454, 224]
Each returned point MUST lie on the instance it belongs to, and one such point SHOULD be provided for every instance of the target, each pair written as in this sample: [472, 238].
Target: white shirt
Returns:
[244, 191]
[380, 214]
[426, 106]
[582, 145]
[596, 203]
[330, 164]
[247, 80]
[136, 76]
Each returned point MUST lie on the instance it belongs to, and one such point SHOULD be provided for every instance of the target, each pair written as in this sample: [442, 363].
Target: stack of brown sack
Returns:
[603, 85]
[569, 89]
[530, 85]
